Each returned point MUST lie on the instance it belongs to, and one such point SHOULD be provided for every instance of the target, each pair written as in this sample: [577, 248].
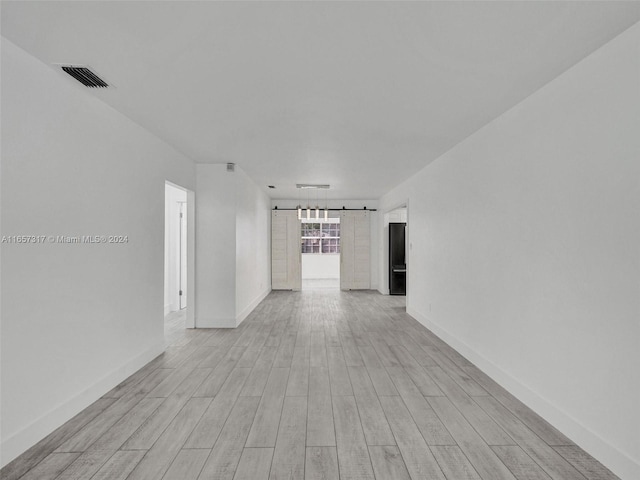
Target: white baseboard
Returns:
[613, 458]
[249, 308]
[208, 322]
[21, 441]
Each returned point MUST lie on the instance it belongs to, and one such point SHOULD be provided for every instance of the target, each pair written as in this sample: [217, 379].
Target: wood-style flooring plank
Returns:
[352, 355]
[483, 423]
[89, 462]
[521, 465]
[374, 423]
[585, 463]
[388, 463]
[430, 426]
[468, 384]
[425, 383]
[206, 432]
[169, 384]
[353, 455]
[338, 374]
[159, 457]
[318, 350]
[102, 422]
[289, 453]
[320, 428]
[187, 465]
[254, 385]
[454, 463]
[216, 379]
[120, 465]
[483, 459]
[264, 430]
[416, 454]
[544, 455]
[542, 428]
[153, 427]
[298, 385]
[34, 455]
[254, 464]
[321, 464]
[226, 453]
[285, 352]
[387, 358]
[50, 467]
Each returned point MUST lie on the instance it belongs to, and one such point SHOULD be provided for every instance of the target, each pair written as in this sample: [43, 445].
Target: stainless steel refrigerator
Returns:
[397, 259]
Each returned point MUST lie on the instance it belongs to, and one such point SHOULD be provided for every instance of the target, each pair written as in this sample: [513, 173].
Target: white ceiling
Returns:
[360, 95]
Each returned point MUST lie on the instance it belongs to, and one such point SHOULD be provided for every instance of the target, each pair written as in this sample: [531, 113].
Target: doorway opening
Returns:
[320, 247]
[395, 225]
[177, 258]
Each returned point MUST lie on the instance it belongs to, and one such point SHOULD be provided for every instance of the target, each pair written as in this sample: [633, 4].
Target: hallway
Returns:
[314, 384]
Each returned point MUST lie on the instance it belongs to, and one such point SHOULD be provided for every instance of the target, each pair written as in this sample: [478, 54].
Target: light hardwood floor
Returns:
[313, 385]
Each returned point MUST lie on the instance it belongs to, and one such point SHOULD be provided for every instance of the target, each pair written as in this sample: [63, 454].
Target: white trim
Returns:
[19, 442]
[616, 460]
[215, 322]
[190, 320]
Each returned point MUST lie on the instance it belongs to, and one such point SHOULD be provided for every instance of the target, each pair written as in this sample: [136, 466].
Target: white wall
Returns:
[253, 245]
[76, 318]
[317, 265]
[232, 246]
[215, 247]
[172, 198]
[338, 204]
[525, 251]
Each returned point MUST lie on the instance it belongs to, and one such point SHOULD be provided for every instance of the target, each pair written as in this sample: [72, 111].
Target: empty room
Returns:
[320, 240]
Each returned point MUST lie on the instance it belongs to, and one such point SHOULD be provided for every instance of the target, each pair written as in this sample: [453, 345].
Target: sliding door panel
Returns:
[355, 250]
[286, 266]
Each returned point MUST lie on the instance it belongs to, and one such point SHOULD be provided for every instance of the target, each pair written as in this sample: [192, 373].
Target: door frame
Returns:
[385, 246]
[183, 284]
[190, 320]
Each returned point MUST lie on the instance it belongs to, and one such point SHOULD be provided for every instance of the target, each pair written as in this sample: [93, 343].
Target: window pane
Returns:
[331, 230]
[310, 245]
[330, 245]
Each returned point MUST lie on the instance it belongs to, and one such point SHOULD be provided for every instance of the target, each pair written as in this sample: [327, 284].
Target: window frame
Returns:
[321, 238]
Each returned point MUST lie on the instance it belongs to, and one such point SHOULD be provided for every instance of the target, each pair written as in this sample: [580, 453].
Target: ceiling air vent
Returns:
[85, 76]
[231, 167]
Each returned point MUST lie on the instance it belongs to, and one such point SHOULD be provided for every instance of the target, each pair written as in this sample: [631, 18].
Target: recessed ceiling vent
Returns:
[85, 76]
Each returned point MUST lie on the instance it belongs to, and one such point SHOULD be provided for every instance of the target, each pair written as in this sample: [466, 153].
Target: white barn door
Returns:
[286, 265]
[355, 250]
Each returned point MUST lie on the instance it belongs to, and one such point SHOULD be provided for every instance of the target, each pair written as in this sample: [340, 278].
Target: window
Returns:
[321, 237]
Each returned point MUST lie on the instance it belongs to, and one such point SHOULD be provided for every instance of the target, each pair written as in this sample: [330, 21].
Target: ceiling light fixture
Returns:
[316, 187]
[326, 210]
[311, 186]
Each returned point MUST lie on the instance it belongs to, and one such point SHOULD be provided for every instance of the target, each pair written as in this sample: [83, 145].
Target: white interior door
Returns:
[355, 250]
[183, 255]
[286, 265]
